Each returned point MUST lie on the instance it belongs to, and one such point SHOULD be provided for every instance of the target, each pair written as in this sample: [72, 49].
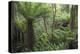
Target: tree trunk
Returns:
[54, 15]
[74, 14]
[73, 17]
[12, 37]
[30, 34]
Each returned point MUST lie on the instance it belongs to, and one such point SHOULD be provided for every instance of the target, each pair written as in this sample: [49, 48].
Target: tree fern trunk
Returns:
[30, 34]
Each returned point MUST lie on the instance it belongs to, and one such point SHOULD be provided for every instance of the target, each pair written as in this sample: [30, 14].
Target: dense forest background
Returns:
[43, 26]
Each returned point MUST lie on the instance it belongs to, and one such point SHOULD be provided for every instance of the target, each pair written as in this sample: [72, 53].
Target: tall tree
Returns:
[31, 11]
[54, 15]
[12, 38]
[73, 15]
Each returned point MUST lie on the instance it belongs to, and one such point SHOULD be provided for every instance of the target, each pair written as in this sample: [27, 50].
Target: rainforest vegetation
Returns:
[43, 26]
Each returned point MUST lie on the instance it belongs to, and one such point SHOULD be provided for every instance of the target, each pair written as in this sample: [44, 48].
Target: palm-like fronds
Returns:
[32, 10]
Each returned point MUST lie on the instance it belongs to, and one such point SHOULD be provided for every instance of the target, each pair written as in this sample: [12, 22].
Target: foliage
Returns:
[30, 17]
[33, 10]
[20, 22]
[60, 40]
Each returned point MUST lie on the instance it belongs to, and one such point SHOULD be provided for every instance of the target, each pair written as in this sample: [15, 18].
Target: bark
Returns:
[15, 33]
[54, 15]
[30, 34]
[13, 27]
[74, 14]
[73, 17]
